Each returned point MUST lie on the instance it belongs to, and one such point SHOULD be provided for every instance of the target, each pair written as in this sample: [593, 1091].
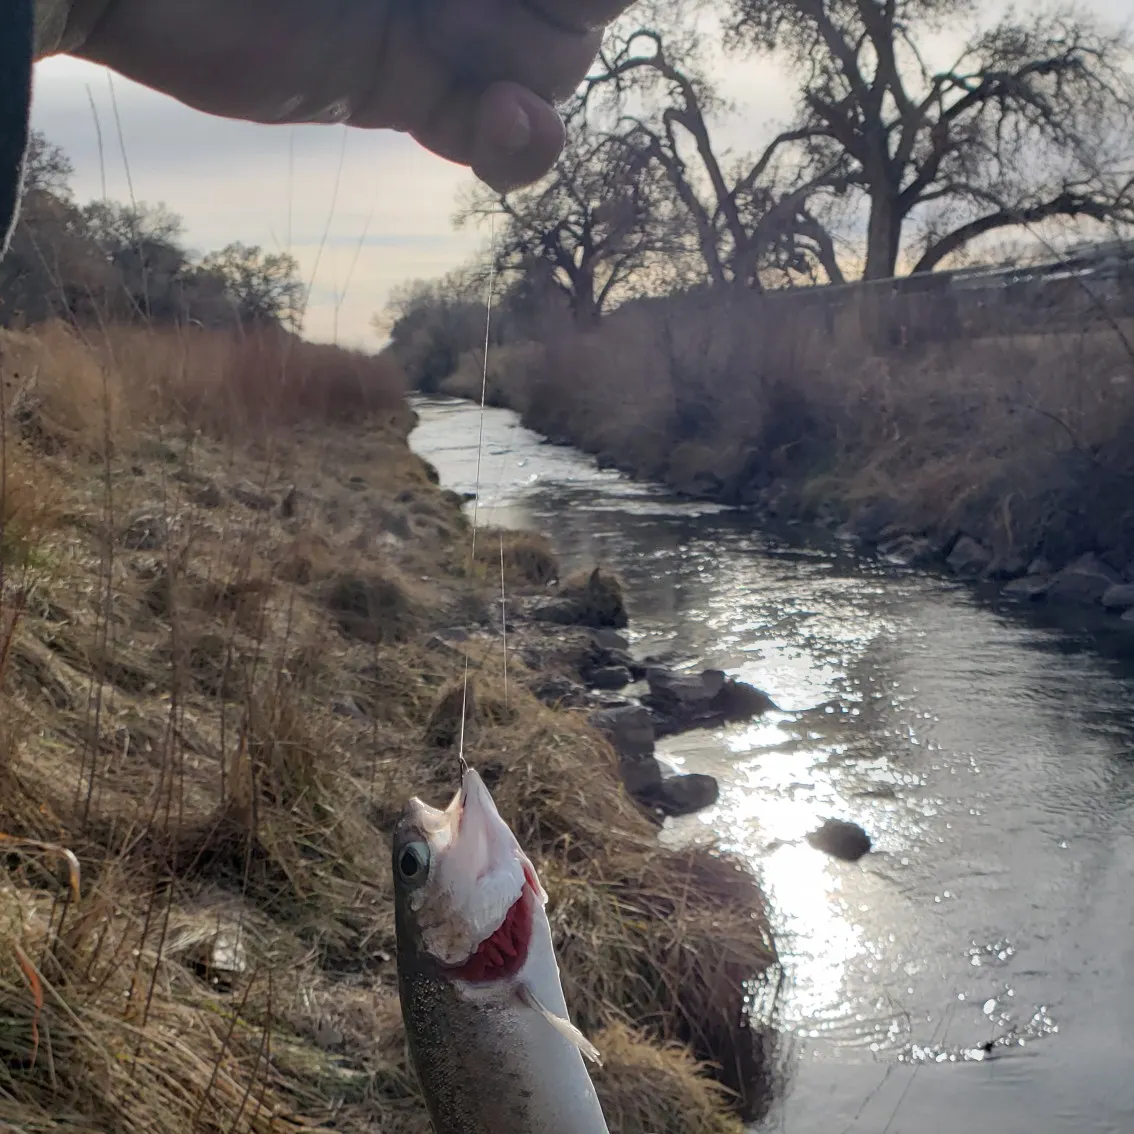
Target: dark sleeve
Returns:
[17, 46]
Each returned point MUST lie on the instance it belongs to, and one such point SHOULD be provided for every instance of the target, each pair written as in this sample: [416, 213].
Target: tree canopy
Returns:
[1027, 123]
[920, 130]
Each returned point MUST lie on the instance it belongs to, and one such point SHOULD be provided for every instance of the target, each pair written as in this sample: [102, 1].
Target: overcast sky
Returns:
[276, 186]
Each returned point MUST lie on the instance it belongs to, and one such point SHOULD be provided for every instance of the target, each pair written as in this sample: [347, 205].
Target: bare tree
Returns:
[602, 227]
[752, 216]
[47, 168]
[143, 244]
[53, 267]
[1029, 123]
[263, 287]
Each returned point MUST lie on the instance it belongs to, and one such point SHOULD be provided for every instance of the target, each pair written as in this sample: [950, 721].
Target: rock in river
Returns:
[841, 839]
[1119, 597]
[610, 640]
[910, 551]
[641, 776]
[631, 732]
[1029, 588]
[684, 701]
[969, 558]
[630, 729]
[609, 677]
[1085, 581]
[682, 795]
[602, 661]
[558, 689]
[595, 600]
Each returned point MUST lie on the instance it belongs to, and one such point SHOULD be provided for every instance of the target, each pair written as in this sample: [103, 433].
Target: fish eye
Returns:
[413, 863]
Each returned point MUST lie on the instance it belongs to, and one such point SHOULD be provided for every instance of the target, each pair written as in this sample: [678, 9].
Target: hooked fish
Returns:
[482, 1000]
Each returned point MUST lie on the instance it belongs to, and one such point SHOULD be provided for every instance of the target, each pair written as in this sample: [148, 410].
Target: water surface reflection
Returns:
[978, 968]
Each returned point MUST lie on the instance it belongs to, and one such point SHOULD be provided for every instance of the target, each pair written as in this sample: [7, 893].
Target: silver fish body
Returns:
[494, 1054]
[489, 1064]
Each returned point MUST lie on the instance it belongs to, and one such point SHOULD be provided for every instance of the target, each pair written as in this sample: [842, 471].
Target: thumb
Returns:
[506, 133]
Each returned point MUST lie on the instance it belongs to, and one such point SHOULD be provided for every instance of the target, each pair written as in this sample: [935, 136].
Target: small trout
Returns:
[481, 996]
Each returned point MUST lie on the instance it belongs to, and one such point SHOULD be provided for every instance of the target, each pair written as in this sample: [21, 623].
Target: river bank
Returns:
[974, 969]
[1002, 460]
[235, 608]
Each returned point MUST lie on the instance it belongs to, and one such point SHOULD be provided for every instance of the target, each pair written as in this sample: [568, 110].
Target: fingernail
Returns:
[515, 131]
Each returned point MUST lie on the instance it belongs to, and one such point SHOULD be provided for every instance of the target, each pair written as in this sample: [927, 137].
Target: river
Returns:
[976, 971]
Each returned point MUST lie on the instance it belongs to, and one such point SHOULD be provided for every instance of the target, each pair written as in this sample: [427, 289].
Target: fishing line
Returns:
[462, 763]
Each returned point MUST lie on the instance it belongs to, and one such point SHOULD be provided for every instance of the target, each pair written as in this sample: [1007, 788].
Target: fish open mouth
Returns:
[504, 952]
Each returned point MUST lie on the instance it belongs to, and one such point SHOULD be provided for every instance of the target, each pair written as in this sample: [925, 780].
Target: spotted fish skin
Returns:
[488, 1062]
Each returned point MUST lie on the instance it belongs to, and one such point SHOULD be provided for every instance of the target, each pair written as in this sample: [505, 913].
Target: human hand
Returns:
[472, 80]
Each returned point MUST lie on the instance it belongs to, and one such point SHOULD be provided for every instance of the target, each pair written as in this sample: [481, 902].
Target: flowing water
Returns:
[976, 971]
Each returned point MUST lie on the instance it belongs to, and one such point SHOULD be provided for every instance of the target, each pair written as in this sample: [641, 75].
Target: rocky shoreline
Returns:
[567, 637]
[581, 660]
[575, 658]
[1098, 580]
[1087, 582]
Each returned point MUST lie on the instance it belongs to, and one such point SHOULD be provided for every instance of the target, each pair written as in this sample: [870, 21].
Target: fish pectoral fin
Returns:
[564, 1027]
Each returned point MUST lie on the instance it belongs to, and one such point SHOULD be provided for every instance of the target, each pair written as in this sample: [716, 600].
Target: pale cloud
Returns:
[386, 219]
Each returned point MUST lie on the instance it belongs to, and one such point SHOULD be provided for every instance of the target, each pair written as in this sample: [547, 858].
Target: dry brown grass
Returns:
[58, 392]
[528, 559]
[376, 605]
[32, 500]
[1024, 441]
[104, 1032]
[643, 1087]
[596, 596]
[253, 379]
[88, 386]
[223, 727]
